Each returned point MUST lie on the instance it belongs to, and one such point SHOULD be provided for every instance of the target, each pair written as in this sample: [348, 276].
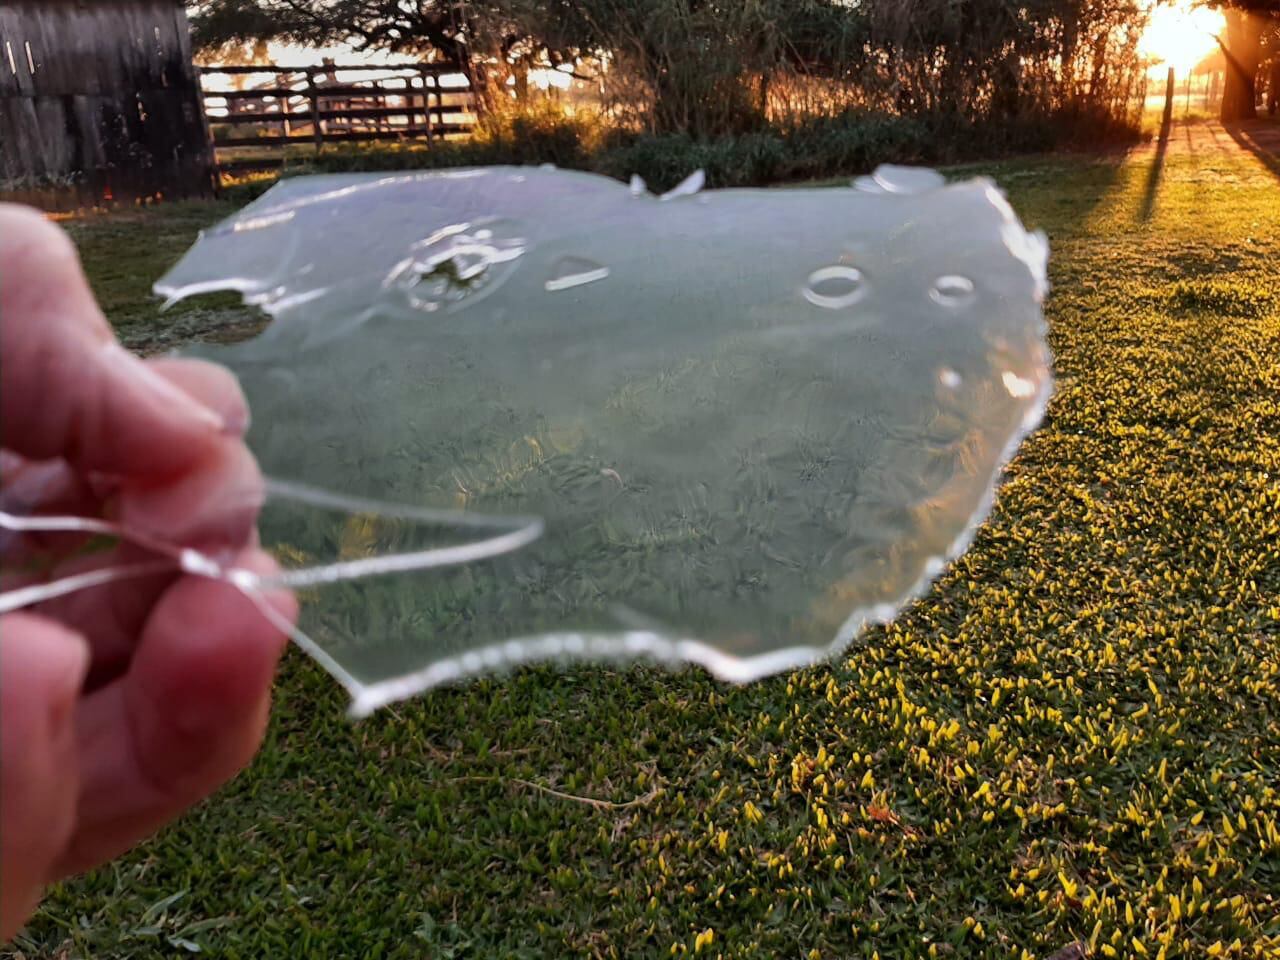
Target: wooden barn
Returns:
[99, 101]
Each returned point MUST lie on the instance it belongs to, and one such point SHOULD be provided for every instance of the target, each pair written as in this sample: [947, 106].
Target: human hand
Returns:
[122, 705]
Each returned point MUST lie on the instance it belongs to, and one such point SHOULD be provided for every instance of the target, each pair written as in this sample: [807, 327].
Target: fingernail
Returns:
[165, 392]
[236, 423]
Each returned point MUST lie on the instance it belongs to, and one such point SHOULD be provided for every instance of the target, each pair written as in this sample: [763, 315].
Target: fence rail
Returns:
[311, 106]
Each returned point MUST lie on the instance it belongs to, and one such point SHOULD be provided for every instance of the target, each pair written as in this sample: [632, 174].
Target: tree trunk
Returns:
[670, 103]
[1006, 98]
[1243, 50]
[484, 92]
[1273, 85]
[1069, 37]
[520, 74]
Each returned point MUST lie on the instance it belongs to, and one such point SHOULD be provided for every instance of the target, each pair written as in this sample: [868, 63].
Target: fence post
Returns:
[314, 93]
[423, 74]
[365, 100]
[435, 86]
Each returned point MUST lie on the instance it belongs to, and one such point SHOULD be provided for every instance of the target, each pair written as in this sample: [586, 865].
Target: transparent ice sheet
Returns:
[543, 414]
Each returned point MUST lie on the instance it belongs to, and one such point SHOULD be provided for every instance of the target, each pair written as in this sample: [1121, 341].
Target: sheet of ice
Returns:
[556, 415]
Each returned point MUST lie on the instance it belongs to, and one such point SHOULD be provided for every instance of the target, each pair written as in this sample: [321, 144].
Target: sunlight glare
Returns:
[1180, 35]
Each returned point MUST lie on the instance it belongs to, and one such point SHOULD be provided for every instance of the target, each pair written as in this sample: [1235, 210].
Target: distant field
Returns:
[1075, 735]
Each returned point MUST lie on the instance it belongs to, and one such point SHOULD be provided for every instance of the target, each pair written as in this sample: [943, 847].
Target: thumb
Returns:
[42, 667]
[69, 389]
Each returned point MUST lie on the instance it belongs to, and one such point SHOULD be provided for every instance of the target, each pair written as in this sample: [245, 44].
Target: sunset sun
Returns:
[1180, 35]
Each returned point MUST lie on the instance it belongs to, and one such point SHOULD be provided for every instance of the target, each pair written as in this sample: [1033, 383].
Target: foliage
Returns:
[750, 159]
[1251, 38]
[844, 144]
[1073, 736]
[435, 28]
[813, 149]
[473, 35]
[538, 133]
[525, 138]
[709, 70]
[704, 69]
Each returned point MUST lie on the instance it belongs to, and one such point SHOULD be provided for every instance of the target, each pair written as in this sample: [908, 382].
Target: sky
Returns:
[1180, 35]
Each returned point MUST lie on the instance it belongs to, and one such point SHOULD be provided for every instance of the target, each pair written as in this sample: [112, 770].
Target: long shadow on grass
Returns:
[1157, 166]
[1246, 136]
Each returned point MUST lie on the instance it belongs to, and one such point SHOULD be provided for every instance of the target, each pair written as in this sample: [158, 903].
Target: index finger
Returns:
[69, 389]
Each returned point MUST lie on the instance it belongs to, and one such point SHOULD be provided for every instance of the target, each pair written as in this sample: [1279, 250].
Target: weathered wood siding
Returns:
[99, 100]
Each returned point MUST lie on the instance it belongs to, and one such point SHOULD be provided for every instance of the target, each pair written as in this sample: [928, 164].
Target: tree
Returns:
[704, 67]
[709, 68]
[703, 64]
[1248, 21]
[1273, 81]
[471, 35]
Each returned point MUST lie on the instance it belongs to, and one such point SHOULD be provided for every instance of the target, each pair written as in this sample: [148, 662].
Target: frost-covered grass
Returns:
[1074, 736]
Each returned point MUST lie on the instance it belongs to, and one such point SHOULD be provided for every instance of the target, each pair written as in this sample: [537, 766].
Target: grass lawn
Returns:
[1075, 735]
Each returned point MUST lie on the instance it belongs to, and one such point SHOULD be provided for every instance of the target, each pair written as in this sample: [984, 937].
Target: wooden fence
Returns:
[255, 126]
[99, 102]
